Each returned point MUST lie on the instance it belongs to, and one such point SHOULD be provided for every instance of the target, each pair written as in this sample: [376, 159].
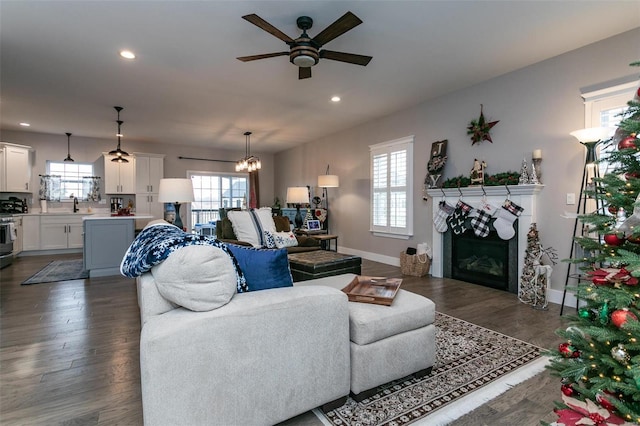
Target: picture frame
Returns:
[313, 225]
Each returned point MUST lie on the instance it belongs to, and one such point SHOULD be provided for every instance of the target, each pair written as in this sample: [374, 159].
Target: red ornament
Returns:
[567, 390]
[612, 209]
[631, 175]
[613, 239]
[627, 143]
[621, 316]
[604, 401]
[568, 351]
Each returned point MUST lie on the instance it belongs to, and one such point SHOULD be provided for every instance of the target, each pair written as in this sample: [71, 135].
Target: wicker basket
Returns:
[416, 265]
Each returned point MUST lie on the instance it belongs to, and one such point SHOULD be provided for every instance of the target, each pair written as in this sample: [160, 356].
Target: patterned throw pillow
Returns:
[249, 225]
[269, 240]
[285, 239]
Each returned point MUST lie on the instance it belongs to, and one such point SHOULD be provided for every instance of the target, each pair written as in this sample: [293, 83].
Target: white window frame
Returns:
[63, 197]
[605, 97]
[406, 144]
[191, 174]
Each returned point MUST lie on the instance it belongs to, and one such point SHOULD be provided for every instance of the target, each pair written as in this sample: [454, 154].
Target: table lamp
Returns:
[176, 191]
[298, 195]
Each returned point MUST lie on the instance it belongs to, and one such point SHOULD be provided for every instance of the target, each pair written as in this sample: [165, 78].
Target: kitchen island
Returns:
[106, 240]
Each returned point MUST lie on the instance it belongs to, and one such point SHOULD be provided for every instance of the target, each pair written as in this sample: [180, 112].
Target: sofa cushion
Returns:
[199, 277]
[263, 268]
[269, 240]
[249, 225]
[285, 239]
[282, 223]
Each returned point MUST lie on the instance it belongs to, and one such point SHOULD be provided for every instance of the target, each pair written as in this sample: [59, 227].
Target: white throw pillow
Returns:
[249, 225]
[199, 277]
[285, 239]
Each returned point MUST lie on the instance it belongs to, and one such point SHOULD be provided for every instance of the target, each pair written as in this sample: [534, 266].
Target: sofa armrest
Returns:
[264, 357]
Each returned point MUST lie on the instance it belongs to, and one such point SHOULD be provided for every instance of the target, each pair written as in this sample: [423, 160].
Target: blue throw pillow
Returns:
[263, 268]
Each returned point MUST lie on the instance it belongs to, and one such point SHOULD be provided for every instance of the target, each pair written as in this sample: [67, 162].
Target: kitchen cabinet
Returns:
[15, 168]
[148, 205]
[119, 178]
[30, 233]
[149, 171]
[106, 241]
[60, 232]
[17, 243]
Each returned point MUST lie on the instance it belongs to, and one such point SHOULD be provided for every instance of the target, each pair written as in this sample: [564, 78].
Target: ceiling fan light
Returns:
[304, 61]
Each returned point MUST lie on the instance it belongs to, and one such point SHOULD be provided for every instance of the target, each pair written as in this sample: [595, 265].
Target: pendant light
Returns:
[249, 162]
[119, 153]
[68, 159]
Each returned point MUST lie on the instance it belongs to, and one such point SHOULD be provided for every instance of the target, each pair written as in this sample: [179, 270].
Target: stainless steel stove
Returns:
[7, 236]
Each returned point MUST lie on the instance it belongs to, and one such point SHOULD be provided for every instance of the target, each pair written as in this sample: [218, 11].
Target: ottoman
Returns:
[387, 342]
[322, 263]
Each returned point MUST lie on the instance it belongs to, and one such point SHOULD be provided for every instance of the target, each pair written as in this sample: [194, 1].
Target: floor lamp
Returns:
[590, 138]
[298, 195]
[176, 191]
[328, 181]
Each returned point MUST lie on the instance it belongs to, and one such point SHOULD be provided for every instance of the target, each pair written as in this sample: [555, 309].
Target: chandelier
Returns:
[249, 162]
[118, 152]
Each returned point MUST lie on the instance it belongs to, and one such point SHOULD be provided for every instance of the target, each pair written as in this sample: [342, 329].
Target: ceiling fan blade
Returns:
[304, 72]
[339, 27]
[261, 23]
[264, 56]
[351, 58]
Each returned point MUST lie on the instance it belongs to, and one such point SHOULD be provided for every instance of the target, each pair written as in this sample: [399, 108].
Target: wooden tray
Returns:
[376, 290]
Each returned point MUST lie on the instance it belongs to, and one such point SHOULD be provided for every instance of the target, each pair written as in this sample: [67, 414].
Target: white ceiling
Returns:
[60, 69]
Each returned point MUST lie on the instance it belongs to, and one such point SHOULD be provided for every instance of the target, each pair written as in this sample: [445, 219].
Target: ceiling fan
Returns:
[305, 51]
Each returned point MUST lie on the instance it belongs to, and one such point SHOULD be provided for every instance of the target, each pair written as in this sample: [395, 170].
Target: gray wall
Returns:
[54, 147]
[537, 107]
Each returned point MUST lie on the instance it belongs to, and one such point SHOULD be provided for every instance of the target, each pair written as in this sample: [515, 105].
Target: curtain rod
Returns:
[180, 157]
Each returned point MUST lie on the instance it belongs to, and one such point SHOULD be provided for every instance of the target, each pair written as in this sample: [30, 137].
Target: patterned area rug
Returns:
[59, 270]
[473, 365]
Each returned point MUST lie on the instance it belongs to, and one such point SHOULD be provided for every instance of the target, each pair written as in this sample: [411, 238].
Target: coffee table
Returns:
[322, 263]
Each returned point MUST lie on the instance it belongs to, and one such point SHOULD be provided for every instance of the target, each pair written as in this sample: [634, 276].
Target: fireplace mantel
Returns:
[523, 195]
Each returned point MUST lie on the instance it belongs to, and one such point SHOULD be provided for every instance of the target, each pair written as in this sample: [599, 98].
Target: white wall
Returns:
[537, 107]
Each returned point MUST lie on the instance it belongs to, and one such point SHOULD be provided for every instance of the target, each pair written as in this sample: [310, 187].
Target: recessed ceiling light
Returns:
[335, 99]
[127, 54]
[25, 124]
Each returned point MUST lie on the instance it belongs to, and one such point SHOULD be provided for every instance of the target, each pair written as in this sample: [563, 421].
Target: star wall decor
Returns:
[479, 129]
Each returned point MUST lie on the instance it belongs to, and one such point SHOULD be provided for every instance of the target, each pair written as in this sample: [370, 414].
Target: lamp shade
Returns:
[297, 195]
[175, 190]
[592, 134]
[328, 181]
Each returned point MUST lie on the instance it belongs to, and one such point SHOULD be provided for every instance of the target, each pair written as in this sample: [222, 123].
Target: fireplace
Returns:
[489, 261]
[523, 195]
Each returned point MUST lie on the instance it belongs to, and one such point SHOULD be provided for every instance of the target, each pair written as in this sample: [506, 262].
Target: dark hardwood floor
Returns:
[69, 350]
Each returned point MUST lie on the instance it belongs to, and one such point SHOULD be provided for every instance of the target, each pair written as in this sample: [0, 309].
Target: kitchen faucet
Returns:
[75, 205]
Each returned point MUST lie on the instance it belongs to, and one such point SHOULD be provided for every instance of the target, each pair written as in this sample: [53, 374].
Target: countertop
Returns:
[108, 216]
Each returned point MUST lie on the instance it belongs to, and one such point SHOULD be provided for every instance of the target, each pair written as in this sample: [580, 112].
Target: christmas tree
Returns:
[599, 361]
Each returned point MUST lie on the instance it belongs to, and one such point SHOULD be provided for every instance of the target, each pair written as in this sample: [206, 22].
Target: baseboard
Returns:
[555, 296]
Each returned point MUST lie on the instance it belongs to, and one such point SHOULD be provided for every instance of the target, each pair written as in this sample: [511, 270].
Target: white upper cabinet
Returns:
[15, 168]
[149, 171]
[119, 178]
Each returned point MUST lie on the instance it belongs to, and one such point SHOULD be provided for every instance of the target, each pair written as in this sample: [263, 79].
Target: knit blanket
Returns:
[155, 243]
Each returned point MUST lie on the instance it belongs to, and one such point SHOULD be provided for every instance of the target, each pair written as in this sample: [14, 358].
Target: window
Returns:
[73, 178]
[214, 191]
[392, 188]
[603, 106]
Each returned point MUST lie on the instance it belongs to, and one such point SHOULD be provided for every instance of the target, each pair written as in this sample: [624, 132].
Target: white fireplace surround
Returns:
[523, 195]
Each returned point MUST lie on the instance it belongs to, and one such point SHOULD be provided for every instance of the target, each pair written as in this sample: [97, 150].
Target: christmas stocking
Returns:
[480, 223]
[505, 218]
[440, 221]
[457, 219]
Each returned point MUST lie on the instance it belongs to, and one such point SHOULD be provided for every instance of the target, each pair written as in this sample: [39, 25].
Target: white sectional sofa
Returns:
[262, 358]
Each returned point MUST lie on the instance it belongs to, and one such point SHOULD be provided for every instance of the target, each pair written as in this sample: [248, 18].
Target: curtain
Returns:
[254, 190]
[50, 187]
[91, 188]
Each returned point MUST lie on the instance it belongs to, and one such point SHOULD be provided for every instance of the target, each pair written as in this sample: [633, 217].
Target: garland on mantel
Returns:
[499, 179]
